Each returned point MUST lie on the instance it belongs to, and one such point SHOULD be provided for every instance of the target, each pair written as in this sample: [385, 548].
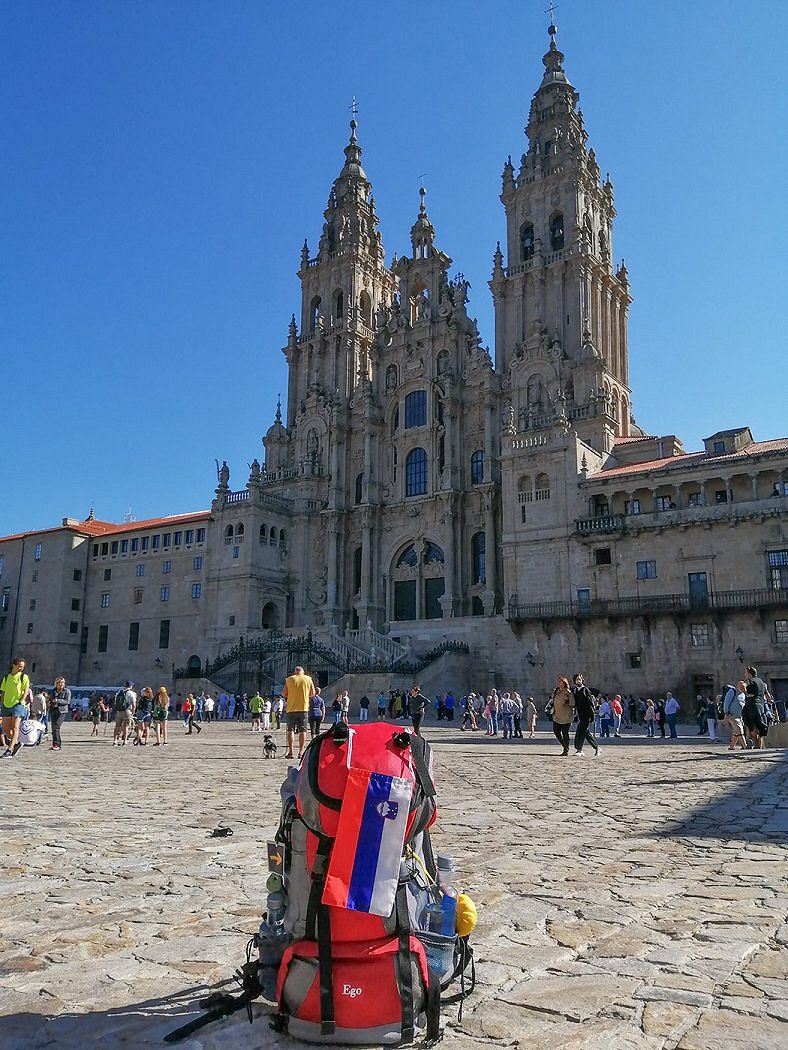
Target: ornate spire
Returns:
[279, 408]
[422, 233]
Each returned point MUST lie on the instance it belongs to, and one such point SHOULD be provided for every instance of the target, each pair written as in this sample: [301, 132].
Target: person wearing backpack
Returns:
[14, 689]
[584, 706]
[733, 706]
[125, 703]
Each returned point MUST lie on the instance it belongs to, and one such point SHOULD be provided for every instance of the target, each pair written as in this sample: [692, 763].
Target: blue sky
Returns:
[164, 161]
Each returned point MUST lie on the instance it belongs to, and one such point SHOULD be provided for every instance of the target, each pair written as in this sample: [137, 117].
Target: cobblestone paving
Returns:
[634, 901]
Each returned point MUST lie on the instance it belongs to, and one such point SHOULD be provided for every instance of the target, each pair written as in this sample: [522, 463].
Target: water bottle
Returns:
[431, 922]
[449, 895]
[276, 905]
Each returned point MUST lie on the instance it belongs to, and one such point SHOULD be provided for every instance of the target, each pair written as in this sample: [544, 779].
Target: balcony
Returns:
[602, 524]
[652, 605]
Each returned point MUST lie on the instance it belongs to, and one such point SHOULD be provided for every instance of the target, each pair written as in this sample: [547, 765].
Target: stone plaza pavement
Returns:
[634, 901]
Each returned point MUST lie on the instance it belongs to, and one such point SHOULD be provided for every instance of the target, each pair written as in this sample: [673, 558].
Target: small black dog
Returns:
[269, 747]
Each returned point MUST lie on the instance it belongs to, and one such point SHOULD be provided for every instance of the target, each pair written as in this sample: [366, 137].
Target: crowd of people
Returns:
[579, 715]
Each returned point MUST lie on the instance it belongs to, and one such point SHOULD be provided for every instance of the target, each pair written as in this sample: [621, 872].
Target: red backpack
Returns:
[354, 858]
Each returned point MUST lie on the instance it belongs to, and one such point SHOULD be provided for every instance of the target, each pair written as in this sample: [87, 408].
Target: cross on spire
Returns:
[551, 10]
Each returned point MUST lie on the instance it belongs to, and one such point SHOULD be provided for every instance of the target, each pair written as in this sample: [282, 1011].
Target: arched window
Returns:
[479, 557]
[272, 537]
[270, 616]
[359, 487]
[193, 666]
[263, 534]
[542, 490]
[477, 467]
[526, 241]
[416, 473]
[416, 409]
[314, 313]
[408, 557]
[357, 570]
[282, 543]
[339, 305]
[365, 307]
[557, 232]
[239, 530]
[433, 554]
[228, 532]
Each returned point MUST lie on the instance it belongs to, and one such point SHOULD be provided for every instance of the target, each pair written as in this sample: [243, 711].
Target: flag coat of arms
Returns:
[364, 868]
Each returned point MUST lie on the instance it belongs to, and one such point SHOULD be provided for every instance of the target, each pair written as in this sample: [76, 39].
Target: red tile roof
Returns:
[94, 527]
[691, 459]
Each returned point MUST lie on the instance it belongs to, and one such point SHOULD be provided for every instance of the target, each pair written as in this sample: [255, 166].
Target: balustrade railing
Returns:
[648, 605]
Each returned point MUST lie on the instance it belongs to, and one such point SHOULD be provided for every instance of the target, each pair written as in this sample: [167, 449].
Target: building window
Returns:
[699, 635]
[197, 563]
[105, 600]
[416, 409]
[632, 506]
[95, 550]
[781, 632]
[30, 628]
[282, 540]
[144, 542]
[196, 590]
[107, 575]
[664, 503]
[721, 496]
[778, 570]
[696, 500]
[166, 539]
[557, 232]
[359, 488]
[584, 598]
[542, 488]
[526, 242]
[124, 546]
[635, 660]
[137, 596]
[166, 566]
[83, 645]
[602, 556]
[647, 570]
[114, 547]
[32, 605]
[231, 621]
[477, 467]
[164, 594]
[719, 447]
[201, 535]
[75, 604]
[156, 542]
[178, 538]
[35, 576]
[190, 535]
[140, 569]
[73, 627]
[37, 551]
[77, 573]
[135, 545]
[134, 637]
[416, 473]
[5, 599]
[103, 638]
[164, 634]
[236, 551]
[478, 557]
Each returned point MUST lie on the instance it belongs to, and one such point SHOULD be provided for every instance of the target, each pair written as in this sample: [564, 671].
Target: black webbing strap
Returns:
[403, 964]
[318, 928]
[417, 749]
[432, 1009]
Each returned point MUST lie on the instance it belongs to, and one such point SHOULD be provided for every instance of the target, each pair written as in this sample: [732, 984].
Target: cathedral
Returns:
[494, 516]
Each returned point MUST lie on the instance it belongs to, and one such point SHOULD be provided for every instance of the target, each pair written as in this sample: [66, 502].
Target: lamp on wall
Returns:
[740, 654]
[158, 662]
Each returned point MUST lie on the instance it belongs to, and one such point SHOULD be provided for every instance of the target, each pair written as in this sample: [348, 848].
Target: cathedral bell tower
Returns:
[560, 310]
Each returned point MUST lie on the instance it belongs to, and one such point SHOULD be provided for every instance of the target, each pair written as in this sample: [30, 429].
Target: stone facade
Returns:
[420, 488]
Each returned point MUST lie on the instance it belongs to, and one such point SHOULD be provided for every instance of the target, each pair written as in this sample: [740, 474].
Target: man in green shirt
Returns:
[256, 707]
[14, 689]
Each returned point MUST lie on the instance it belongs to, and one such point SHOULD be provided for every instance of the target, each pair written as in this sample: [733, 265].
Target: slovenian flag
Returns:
[364, 868]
